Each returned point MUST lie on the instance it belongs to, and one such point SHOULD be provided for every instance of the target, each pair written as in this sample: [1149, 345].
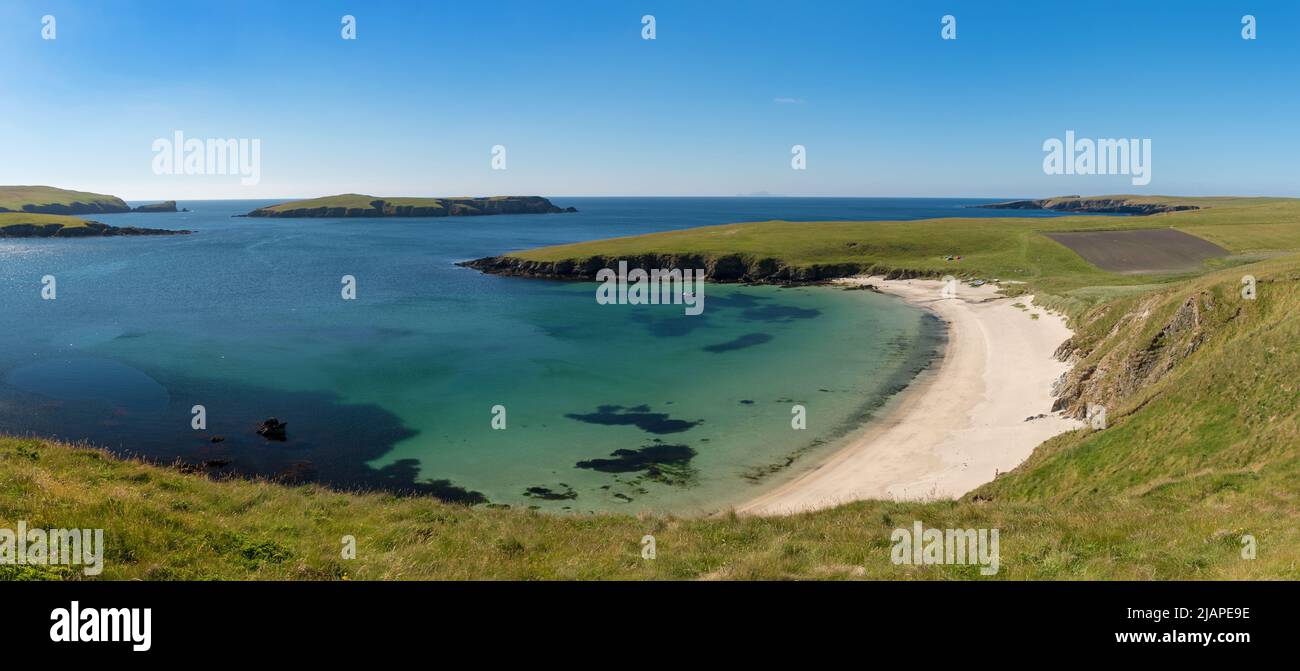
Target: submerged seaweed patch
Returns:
[779, 313]
[548, 494]
[667, 464]
[639, 416]
[747, 340]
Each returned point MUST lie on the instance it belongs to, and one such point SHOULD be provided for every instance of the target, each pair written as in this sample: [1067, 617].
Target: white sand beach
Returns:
[961, 422]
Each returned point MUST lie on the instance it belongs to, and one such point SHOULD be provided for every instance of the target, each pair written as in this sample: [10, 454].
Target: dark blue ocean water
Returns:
[607, 407]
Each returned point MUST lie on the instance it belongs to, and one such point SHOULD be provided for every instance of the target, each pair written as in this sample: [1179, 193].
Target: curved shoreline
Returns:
[960, 423]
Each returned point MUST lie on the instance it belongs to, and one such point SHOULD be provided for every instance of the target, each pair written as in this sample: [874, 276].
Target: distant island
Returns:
[51, 200]
[1139, 205]
[166, 206]
[359, 205]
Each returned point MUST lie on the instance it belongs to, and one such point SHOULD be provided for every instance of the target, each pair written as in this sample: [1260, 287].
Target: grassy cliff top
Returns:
[8, 219]
[15, 198]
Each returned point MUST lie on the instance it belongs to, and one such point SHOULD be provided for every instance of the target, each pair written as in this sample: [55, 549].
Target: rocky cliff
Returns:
[725, 268]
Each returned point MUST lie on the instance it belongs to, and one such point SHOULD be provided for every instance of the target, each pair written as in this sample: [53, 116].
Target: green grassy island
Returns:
[358, 205]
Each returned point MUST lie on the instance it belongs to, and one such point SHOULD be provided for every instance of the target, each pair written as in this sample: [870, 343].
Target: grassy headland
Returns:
[50, 200]
[23, 225]
[1201, 446]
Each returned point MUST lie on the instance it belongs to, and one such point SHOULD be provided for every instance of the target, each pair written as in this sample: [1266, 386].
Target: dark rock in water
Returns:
[273, 429]
[168, 206]
[216, 463]
[218, 439]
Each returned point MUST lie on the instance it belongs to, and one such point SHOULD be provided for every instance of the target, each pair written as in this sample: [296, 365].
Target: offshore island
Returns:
[359, 205]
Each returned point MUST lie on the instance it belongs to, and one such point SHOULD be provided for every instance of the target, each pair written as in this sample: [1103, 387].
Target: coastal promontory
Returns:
[1138, 205]
[359, 205]
[24, 225]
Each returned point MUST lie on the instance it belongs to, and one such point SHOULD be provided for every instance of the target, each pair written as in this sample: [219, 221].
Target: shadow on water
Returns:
[328, 441]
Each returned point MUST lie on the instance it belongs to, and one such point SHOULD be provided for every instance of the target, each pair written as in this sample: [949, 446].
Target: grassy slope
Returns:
[21, 218]
[15, 197]
[1189, 464]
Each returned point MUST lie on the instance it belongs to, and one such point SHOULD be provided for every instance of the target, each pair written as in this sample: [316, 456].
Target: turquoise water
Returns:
[606, 407]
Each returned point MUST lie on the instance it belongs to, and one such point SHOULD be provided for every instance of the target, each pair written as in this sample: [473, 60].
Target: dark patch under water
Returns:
[779, 313]
[668, 464]
[548, 494]
[747, 340]
[639, 416]
[329, 441]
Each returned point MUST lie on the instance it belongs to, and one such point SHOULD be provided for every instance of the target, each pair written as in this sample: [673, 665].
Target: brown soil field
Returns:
[1154, 250]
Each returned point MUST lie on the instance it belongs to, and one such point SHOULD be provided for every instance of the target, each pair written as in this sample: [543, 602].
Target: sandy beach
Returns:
[961, 422]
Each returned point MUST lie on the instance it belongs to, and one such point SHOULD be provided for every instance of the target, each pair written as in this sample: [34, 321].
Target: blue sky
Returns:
[712, 106]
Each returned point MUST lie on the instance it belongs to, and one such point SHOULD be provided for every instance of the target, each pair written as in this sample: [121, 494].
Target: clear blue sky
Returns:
[584, 106]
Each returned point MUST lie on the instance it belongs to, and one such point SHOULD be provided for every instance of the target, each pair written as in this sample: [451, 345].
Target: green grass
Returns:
[164, 524]
[13, 198]
[1201, 448]
[8, 219]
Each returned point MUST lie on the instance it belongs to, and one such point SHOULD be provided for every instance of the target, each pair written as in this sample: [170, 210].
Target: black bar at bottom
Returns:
[936, 618]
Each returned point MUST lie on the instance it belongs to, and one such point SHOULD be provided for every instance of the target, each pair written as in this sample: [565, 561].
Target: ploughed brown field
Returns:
[1152, 250]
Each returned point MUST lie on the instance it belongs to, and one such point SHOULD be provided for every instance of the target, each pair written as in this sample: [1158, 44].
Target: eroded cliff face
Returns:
[442, 207]
[1138, 350]
[1087, 205]
[725, 268]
